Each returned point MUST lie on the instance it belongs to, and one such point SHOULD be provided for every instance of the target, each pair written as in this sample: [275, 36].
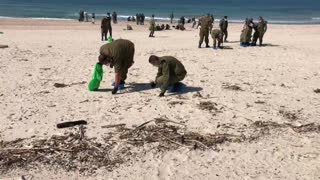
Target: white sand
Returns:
[283, 74]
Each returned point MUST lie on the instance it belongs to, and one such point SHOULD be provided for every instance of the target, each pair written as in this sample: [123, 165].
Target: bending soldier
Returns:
[217, 35]
[118, 54]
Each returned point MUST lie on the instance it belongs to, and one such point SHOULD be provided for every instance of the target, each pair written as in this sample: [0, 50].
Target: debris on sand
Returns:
[311, 127]
[173, 103]
[210, 106]
[197, 94]
[71, 124]
[45, 69]
[3, 46]
[71, 151]
[259, 102]
[62, 85]
[75, 151]
[316, 90]
[23, 60]
[289, 115]
[232, 87]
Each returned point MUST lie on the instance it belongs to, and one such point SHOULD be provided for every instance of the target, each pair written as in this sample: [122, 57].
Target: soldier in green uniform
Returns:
[170, 72]
[206, 25]
[224, 27]
[171, 17]
[106, 27]
[245, 37]
[262, 29]
[152, 27]
[217, 35]
[118, 54]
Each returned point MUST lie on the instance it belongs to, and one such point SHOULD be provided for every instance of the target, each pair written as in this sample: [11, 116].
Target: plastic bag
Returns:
[96, 78]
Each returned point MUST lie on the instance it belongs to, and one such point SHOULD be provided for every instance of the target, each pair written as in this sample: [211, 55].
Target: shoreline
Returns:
[166, 20]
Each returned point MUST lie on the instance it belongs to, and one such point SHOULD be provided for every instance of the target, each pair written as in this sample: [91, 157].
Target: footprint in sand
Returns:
[167, 164]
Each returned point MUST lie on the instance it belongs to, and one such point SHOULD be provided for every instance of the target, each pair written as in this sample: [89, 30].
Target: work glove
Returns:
[114, 91]
[161, 94]
[153, 84]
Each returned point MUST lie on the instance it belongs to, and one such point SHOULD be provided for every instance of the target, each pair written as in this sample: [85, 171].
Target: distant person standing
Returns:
[194, 22]
[212, 18]
[262, 29]
[224, 27]
[81, 16]
[152, 27]
[206, 24]
[138, 18]
[93, 17]
[142, 18]
[86, 16]
[171, 17]
[106, 27]
[182, 20]
[114, 17]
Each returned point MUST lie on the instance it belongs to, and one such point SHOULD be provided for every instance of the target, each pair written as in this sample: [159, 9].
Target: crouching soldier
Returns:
[217, 35]
[170, 72]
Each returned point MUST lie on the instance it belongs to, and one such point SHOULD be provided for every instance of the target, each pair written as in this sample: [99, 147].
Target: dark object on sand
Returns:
[232, 87]
[3, 46]
[71, 124]
[317, 90]
[60, 85]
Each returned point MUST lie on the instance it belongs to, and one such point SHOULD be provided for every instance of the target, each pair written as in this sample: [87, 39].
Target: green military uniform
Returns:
[245, 36]
[224, 28]
[152, 27]
[106, 27]
[170, 72]
[122, 52]
[255, 35]
[262, 28]
[217, 35]
[206, 25]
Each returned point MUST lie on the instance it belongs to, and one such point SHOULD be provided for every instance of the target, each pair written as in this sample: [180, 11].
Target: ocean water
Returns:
[275, 11]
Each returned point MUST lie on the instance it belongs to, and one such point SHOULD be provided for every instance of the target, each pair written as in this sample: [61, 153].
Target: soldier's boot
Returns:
[199, 46]
[207, 46]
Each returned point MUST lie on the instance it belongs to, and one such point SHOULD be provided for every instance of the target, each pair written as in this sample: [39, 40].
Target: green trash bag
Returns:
[110, 39]
[96, 78]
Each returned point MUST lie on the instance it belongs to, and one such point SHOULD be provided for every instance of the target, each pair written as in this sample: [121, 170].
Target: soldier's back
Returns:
[205, 22]
[104, 22]
[174, 64]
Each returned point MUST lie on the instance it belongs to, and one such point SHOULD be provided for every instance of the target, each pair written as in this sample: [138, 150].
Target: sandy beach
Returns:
[277, 86]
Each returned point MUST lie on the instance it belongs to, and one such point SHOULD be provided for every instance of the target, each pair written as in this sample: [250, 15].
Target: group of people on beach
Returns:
[84, 16]
[249, 39]
[119, 54]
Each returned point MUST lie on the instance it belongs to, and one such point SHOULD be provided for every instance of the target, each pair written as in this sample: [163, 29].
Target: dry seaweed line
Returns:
[73, 150]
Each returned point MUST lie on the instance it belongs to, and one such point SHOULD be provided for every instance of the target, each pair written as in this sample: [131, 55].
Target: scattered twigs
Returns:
[75, 151]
